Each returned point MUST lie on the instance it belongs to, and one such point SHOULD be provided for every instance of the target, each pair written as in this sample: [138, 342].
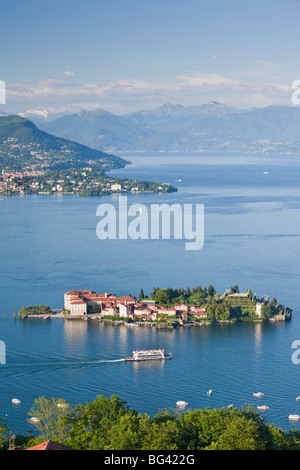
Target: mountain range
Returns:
[212, 127]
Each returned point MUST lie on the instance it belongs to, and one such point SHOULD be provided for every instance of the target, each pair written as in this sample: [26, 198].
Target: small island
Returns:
[166, 308]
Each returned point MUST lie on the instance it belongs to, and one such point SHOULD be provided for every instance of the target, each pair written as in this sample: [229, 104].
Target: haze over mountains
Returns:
[212, 127]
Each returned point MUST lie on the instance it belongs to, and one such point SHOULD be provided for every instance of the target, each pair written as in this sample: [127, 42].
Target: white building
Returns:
[116, 187]
[78, 307]
[258, 310]
[124, 310]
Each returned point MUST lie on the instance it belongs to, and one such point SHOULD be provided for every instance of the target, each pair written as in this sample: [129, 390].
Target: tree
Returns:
[240, 434]
[48, 416]
[142, 295]
[90, 424]
[23, 311]
[198, 299]
[3, 434]
[266, 311]
[234, 290]
[163, 296]
[128, 432]
[211, 290]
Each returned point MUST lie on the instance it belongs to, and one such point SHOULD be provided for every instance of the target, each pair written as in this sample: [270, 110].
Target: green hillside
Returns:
[25, 147]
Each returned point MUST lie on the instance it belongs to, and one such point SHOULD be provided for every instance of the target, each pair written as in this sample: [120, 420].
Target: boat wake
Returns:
[52, 365]
[95, 362]
[100, 361]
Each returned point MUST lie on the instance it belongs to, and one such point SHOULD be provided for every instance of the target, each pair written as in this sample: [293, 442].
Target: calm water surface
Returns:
[48, 245]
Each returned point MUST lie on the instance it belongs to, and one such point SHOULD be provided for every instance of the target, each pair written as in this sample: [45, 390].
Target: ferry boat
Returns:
[149, 355]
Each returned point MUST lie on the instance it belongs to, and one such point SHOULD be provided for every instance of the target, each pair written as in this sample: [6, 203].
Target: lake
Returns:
[252, 238]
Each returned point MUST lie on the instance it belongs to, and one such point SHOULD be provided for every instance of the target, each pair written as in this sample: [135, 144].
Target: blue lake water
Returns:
[48, 245]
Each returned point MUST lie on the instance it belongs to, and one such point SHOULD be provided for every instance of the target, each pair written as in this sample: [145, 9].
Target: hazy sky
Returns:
[124, 55]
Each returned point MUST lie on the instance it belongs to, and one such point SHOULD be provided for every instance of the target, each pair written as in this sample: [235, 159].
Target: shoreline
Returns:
[165, 309]
[160, 326]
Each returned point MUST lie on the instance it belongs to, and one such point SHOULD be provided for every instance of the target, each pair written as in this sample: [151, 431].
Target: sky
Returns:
[128, 55]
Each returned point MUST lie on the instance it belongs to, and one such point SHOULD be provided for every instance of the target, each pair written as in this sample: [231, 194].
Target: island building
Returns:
[84, 302]
[81, 303]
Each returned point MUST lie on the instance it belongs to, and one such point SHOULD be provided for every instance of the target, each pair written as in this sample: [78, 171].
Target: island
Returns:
[166, 308]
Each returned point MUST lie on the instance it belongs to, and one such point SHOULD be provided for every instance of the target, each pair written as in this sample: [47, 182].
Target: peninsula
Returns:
[84, 181]
[167, 307]
[34, 162]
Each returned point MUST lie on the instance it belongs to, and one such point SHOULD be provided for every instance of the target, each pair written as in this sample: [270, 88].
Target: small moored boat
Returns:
[294, 417]
[181, 404]
[16, 401]
[263, 408]
[258, 394]
[33, 419]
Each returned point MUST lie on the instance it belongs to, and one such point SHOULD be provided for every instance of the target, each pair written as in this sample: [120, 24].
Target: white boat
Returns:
[16, 401]
[294, 417]
[34, 419]
[230, 406]
[298, 399]
[181, 403]
[263, 408]
[209, 392]
[149, 355]
[258, 394]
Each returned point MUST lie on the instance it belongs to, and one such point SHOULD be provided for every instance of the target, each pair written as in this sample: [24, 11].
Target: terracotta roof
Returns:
[49, 445]
[75, 297]
[122, 299]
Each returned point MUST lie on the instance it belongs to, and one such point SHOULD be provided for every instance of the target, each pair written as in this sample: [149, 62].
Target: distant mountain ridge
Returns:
[212, 127]
[98, 129]
[169, 117]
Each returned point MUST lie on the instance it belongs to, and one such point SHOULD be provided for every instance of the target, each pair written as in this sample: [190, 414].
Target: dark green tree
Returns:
[142, 295]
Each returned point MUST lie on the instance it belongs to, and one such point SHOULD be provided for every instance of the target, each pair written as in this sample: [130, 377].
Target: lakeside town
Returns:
[83, 181]
[34, 162]
[209, 308]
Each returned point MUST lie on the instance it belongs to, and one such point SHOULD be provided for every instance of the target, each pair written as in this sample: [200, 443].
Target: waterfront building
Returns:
[83, 302]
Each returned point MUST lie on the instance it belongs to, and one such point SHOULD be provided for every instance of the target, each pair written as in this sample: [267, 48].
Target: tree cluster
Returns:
[109, 424]
[196, 296]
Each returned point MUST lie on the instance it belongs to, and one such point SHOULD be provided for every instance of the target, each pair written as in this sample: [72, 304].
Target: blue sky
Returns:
[124, 55]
